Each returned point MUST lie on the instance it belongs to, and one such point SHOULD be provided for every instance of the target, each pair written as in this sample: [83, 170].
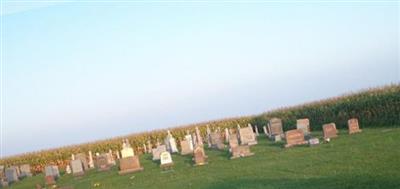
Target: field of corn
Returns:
[374, 108]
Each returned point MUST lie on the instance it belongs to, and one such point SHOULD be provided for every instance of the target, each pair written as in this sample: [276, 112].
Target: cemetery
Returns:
[301, 155]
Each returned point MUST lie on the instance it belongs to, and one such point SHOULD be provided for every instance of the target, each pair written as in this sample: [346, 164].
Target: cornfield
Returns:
[376, 107]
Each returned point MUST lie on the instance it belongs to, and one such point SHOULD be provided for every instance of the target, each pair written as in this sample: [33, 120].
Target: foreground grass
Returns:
[370, 159]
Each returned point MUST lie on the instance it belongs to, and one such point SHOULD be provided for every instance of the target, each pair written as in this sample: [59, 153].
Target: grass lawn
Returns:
[370, 159]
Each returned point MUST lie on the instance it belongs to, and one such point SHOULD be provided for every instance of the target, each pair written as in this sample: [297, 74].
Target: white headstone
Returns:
[171, 143]
[165, 158]
[68, 169]
[256, 129]
[188, 138]
[91, 162]
[226, 135]
[199, 139]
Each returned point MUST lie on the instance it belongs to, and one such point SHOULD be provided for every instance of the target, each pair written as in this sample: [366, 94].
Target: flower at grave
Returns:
[96, 184]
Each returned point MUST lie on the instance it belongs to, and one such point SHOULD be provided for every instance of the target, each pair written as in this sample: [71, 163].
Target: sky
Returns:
[76, 72]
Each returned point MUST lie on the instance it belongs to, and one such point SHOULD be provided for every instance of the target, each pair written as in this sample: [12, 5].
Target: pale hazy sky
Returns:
[77, 72]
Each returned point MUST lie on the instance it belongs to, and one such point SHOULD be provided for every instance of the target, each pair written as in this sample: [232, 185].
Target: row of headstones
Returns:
[239, 146]
[14, 174]
[302, 132]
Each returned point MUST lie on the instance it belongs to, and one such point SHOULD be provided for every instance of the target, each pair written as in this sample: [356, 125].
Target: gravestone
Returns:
[294, 137]
[127, 150]
[49, 180]
[11, 175]
[52, 170]
[25, 170]
[83, 158]
[241, 151]
[77, 167]
[247, 136]
[157, 151]
[313, 141]
[149, 146]
[329, 131]
[166, 160]
[276, 138]
[3, 183]
[265, 130]
[304, 125]
[216, 141]
[256, 129]
[17, 169]
[208, 130]
[200, 157]
[185, 148]
[275, 127]
[226, 135]
[68, 169]
[188, 137]
[117, 153]
[129, 165]
[233, 142]
[102, 162]
[91, 162]
[199, 139]
[194, 139]
[2, 171]
[353, 126]
[170, 143]
[110, 158]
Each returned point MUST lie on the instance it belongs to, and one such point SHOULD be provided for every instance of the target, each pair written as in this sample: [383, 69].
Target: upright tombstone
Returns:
[110, 158]
[265, 130]
[256, 130]
[83, 158]
[127, 150]
[216, 141]
[149, 146]
[2, 168]
[194, 139]
[166, 160]
[353, 126]
[188, 137]
[208, 130]
[275, 127]
[17, 169]
[329, 131]
[129, 165]
[294, 137]
[91, 162]
[157, 152]
[117, 153]
[233, 142]
[304, 125]
[185, 147]
[226, 135]
[11, 175]
[52, 170]
[199, 139]
[102, 162]
[77, 167]
[247, 136]
[68, 169]
[25, 170]
[200, 157]
[170, 143]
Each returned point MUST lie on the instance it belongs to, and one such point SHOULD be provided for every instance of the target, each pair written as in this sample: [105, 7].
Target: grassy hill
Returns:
[366, 160]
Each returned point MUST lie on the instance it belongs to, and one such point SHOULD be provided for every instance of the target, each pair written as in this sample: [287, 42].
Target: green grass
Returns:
[370, 159]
